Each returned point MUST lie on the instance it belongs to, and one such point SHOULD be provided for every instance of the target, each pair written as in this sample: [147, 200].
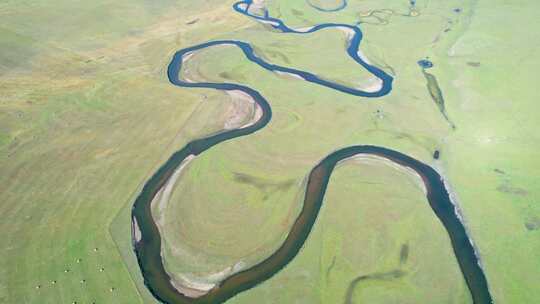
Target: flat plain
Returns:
[87, 115]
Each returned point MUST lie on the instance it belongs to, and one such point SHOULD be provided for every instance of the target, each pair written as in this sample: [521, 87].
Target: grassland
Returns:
[297, 146]
[87, 115]
[373, 229]
[269, 193]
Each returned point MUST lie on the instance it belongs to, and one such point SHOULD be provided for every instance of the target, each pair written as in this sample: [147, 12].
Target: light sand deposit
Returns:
[290, 75]
[240, 109]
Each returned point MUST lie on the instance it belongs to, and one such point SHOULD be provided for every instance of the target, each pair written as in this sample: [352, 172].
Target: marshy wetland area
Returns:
[269, 151]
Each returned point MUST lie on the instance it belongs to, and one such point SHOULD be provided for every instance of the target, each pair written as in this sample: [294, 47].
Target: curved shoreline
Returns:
[147, 243]
[375, 159]
[328, 10]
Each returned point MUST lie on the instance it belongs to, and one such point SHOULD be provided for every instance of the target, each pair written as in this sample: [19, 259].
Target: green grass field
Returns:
[87, 115]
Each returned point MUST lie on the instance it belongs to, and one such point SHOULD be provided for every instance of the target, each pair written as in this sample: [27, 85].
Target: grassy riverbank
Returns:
[86, 115]
[384, 236]
[433, 34]
[256, 179]
[490, 74]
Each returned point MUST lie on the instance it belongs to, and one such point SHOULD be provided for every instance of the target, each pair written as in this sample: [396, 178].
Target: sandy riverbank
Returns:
[136, 231]
[159, 203]
[242, 107]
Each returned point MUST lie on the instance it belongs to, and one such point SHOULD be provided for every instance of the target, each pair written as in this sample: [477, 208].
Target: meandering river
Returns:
[146, 236]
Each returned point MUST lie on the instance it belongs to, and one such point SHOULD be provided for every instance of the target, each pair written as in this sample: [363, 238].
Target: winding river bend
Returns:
[145, 233]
